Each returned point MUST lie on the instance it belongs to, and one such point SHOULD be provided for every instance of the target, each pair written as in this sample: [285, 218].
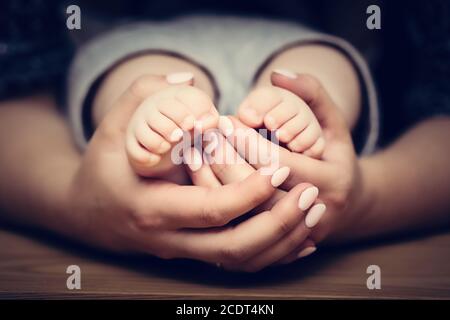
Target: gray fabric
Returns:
[231, 48]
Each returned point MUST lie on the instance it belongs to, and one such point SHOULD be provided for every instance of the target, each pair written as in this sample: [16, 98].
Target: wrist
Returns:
[355, 220]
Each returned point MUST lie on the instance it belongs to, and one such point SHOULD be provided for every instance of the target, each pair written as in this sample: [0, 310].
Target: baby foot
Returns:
[289, 116]
[159, 122]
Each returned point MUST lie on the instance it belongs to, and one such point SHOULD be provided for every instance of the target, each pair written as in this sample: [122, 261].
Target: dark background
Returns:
[409, 56]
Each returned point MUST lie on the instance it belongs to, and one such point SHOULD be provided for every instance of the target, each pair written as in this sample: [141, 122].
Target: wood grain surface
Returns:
[34, 266]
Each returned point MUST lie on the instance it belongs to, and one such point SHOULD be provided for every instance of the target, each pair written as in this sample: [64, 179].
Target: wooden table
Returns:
[34, 266]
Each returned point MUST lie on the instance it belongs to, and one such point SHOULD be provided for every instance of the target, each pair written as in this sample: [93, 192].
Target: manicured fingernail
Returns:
[280, 176]
[314, 215]
[193, 159]
[225, 126]
[188, 123]
[176, 135]
[306, 252]
[179, 77]
[308, 197]
[286, 73]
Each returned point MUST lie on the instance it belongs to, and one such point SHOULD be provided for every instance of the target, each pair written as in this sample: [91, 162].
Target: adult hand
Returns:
[223, 165]
[115, 209]
[337, 175]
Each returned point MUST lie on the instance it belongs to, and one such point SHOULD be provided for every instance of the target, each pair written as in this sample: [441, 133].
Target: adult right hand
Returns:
[113, 208]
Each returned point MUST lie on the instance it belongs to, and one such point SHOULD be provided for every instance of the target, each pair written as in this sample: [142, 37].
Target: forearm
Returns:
[331, 67]
[37, 162]
[124, 74]
[406, 186]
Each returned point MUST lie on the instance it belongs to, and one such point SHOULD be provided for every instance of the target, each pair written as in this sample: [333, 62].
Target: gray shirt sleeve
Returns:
[231, 49]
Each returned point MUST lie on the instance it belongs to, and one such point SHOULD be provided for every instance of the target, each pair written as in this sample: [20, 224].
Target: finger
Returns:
[165, 127]
[257, 104]
[290, 241]
[316, 150]
[140, 159]
[201, 105]
[234, 245]
[305, 249]
[178, 113]
[197, 207]
[203, 176]
[247, 142]
[138, 91]
[306, 138]
[312, 92]
[237, 171]
[226, 164]
[279, 115]
[293, 127]
[149, 139]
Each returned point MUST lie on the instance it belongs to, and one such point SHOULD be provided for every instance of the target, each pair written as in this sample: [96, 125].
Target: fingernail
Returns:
[176, 135]
[179, 77]
[225, 126]
[164, 146]
[286, 73]
[279, 133]
[308, 197]
[252, 115]
[198, 125]
[306, 252]
[270, 122]
[193, 159]
[153, 159]
[314, 215]
[279, 176]
[188, 123]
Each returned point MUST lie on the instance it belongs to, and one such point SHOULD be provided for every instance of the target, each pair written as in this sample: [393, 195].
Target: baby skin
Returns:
[287, 115]
[161, 120]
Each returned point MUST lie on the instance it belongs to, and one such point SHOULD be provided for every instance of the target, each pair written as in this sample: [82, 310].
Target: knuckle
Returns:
[141, 85]
[258, 194]
[292, 241]
[210, 215]
[142, 220]
[232, 254]
[281, 225]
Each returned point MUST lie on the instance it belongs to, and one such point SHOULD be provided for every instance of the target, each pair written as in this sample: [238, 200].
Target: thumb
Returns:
[142, 88]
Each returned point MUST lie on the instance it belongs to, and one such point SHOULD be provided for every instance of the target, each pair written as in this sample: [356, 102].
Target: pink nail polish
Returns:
[280, 176]
[176, 135]
[179, 77]
[286, 73]
[307, 198]
[314, 215]
[306, 252]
